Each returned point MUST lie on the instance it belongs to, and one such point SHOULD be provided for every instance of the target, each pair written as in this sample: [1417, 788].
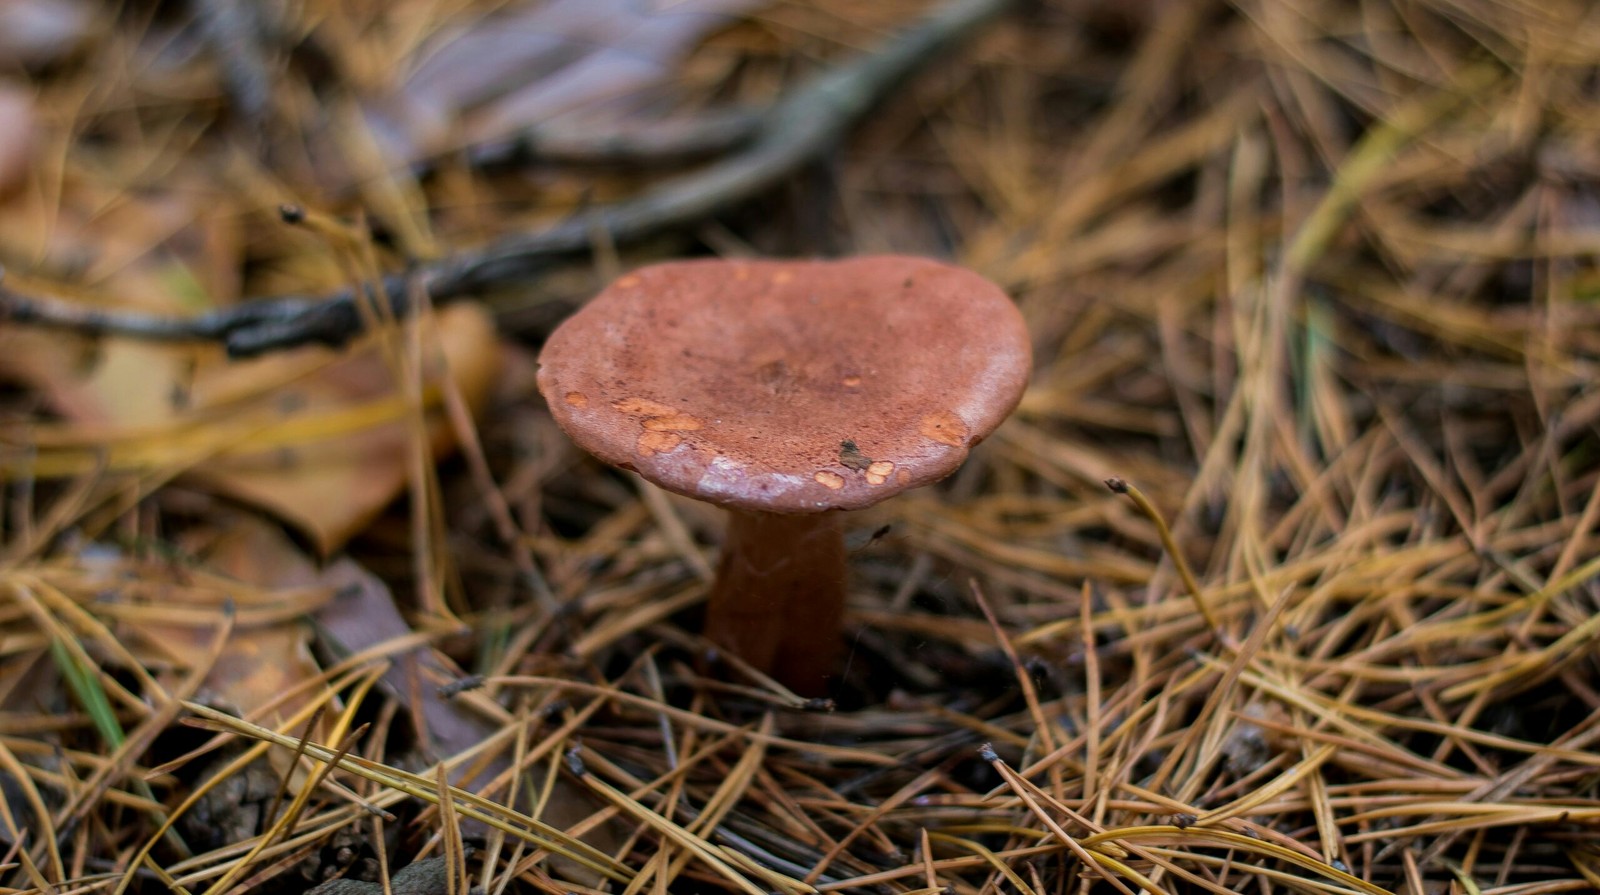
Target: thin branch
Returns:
[793, 131]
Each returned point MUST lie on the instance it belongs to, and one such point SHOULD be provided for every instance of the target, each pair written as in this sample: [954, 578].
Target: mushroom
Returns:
[784, 391]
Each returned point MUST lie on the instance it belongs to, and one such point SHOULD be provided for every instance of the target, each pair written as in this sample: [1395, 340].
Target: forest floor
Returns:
[1319, 279]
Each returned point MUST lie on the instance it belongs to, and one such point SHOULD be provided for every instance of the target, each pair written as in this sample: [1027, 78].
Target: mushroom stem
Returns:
[778, 599]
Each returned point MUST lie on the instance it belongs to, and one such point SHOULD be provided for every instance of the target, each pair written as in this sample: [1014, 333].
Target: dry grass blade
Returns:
[705, 851]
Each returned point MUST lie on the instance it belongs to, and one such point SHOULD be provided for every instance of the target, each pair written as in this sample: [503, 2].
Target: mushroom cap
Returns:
[788, 386]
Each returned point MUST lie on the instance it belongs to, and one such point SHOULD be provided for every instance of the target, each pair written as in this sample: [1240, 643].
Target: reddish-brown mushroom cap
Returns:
[788, 386]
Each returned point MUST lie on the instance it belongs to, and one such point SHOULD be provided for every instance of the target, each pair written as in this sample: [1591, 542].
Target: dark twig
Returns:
[792, 131]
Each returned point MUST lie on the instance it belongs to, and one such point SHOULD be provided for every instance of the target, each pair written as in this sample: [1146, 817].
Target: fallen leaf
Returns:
[363, 616]
[319, 438]
[530, 65]
[330, 460]
[263, 659]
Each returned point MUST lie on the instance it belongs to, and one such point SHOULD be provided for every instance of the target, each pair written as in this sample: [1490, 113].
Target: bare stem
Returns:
[778, 599]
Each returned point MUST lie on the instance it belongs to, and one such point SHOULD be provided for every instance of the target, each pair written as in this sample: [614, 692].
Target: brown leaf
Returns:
[260, 662]
[321, 476]
[321, 439]
[363, 616]
[528, 66]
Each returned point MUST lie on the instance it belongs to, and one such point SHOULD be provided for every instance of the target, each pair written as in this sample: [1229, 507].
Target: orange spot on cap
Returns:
[644, 407]
[677, 422]
[945, 428]
[628, 282]
[652, 443]
[851, 382]
[577, 399]
[829, 480]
